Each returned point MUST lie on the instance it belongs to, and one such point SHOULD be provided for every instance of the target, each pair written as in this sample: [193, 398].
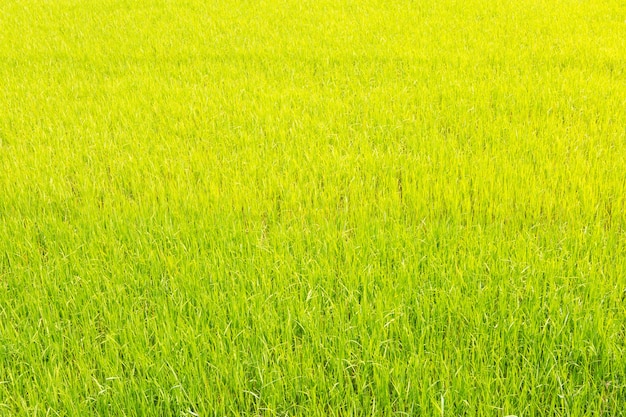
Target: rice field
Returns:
[312, 208]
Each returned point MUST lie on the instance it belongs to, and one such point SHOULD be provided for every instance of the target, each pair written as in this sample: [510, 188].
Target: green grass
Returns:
[312, 208]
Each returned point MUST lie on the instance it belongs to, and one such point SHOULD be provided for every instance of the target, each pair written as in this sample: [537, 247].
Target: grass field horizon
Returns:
[312, 208]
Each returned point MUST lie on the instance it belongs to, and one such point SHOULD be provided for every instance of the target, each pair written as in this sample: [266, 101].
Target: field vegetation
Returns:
[312, 208]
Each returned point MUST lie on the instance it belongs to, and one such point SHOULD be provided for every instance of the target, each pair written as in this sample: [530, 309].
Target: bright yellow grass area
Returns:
[312, 208]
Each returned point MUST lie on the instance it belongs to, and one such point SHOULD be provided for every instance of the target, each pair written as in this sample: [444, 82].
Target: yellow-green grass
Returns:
[312, 208]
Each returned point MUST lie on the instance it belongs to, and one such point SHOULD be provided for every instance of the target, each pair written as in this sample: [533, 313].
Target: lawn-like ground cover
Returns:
[312, 208]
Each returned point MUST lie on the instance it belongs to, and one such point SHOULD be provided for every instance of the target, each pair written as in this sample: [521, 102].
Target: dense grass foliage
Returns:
[312, 208]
